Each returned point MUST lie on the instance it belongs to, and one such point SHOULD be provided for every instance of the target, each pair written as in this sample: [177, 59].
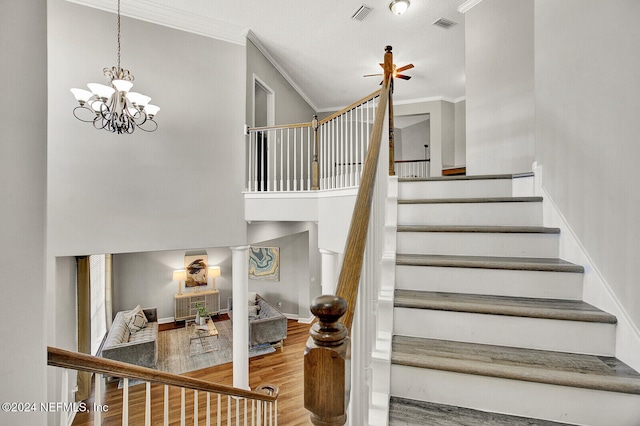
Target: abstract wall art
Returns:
[264, 263]
[196, 268]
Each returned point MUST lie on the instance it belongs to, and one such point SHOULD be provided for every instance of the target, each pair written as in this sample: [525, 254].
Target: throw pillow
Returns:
[136, 319]
[253, 311]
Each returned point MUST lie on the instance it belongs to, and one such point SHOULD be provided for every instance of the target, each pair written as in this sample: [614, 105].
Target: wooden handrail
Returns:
[76, 361]
[349, 279]
[327, 353]
[324, 120]
[352, 106]
[280, 126]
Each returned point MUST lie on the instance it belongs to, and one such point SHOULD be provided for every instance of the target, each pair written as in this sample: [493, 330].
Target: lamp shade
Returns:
[180, 275]
[214, 271]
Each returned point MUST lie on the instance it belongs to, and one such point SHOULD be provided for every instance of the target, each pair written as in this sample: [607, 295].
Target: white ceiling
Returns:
[320, 49]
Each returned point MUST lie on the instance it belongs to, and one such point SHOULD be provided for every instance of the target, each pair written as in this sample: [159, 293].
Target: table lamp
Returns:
[214, 272]
[180, 275]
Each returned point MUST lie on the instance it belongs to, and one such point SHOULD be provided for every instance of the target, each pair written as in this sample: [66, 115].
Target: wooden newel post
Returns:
[315, 171]
[326, 364]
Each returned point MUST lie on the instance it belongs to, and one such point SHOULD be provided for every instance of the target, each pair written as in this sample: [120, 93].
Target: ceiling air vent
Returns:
[444, 23]
[361, 13]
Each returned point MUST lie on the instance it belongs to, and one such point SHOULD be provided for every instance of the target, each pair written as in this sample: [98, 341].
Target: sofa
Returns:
[133, 344]
[267, 325]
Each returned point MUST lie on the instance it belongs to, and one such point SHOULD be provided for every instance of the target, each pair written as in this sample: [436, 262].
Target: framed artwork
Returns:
[196, 270]
[264, 263]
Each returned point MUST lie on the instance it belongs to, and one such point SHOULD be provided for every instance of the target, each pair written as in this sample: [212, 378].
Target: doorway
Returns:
[263, 115]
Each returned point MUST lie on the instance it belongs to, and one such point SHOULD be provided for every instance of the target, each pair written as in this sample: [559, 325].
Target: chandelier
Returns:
[115, 108]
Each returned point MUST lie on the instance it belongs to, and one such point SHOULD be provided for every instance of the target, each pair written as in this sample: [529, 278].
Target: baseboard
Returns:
[307, 320]
[596, 289]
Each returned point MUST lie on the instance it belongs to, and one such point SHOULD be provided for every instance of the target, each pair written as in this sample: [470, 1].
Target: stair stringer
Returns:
[381, 352]
[596, 289]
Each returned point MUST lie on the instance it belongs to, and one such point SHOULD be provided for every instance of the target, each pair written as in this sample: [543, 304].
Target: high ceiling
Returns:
[321, 50]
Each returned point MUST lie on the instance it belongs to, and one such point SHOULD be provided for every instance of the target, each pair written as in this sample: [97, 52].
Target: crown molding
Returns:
[258, 44]
[172, 17]
[468, 5]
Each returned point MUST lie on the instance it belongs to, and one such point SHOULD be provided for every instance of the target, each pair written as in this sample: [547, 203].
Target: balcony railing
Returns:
[224, 404]
[321, 154]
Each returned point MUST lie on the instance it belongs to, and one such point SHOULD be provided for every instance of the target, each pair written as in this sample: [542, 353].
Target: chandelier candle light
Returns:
[114, 108]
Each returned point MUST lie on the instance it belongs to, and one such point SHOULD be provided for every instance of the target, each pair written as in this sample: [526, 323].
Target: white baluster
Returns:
[97, 414]
[301, 155]
[125, 402]
[281, 160]
[352, 177]
[182, 407]
[309, 156]
[208, 421]
[237, 411]
[219, 409]
[253, 412]
[147, 409]
[295, 161]
[228, 410]
[166, 405]
[248, 153]
[288, 160]
[275, 406]
[195, 407]
[245, 411]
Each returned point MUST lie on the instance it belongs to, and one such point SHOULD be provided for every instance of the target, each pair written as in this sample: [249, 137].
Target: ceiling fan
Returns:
[395, 73]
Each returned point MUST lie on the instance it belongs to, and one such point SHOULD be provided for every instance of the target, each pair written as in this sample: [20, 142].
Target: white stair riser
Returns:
[479, 244]
[519, 398]
[455, 189]
[495, 282]
[522, 332]
[506, 213]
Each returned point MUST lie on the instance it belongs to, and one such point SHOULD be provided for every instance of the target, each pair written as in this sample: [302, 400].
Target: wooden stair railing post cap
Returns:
[325, 362]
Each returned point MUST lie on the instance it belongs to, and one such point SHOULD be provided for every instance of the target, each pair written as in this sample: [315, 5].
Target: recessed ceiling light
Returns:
[399, 6]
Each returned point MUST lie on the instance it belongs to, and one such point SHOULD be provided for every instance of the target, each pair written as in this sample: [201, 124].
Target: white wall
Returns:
[290, 107]
[413, 140]
[179, 187]
[437, 132]
[294, 274]
[499, 87]
[310, 282]
[587, 90]
[147, 279]
[461, 133]
[23, 168]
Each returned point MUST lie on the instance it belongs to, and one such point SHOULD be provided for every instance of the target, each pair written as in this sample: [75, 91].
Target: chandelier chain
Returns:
[118, 35]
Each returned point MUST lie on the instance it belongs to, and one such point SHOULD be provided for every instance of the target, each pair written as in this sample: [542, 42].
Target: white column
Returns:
[329, 271]
[240, 276]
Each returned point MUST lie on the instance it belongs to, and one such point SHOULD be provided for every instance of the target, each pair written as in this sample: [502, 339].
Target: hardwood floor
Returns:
[283, 368]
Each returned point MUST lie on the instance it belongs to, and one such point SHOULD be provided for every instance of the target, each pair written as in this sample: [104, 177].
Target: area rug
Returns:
[178, 354]
[175, 350]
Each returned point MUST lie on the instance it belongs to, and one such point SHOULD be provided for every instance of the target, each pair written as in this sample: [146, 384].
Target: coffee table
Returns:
[204, 333]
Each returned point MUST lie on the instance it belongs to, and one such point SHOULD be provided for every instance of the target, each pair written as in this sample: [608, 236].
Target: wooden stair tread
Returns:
[479, 229]
[466, 177]
[404, 411]
[489, 262]
[471, 200]
[556, 368]
[568, 310]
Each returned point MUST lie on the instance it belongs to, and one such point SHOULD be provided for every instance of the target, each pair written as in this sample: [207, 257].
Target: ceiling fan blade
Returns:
[404, 77]
[406, 67]
[372, 75]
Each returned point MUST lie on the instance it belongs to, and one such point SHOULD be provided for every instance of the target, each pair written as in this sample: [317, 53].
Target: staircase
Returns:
[489, 325]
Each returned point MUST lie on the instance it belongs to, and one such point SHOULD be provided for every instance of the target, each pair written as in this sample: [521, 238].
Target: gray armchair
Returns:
[269, 326]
